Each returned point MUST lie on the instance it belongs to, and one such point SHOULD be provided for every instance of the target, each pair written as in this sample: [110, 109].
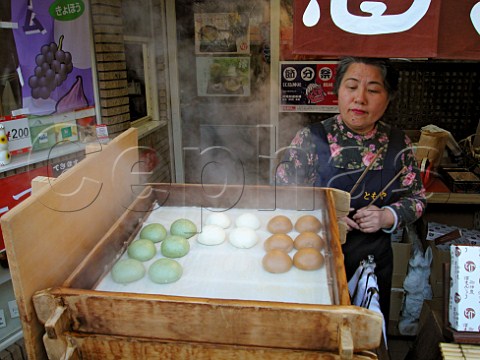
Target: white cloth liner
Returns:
[226, 272]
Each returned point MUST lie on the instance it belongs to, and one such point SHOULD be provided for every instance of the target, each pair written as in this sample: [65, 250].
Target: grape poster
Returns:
[48, 48]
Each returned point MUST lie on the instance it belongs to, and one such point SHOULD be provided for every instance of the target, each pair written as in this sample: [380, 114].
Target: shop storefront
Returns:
[209, 94]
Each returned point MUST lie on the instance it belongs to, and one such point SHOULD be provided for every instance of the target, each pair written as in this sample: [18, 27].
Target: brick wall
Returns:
[107, 25]
[108, 31]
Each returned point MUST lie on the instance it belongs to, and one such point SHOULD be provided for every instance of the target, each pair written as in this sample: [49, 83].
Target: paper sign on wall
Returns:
[308, 86]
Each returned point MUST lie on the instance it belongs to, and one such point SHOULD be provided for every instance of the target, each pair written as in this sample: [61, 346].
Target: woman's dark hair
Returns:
[389, 73]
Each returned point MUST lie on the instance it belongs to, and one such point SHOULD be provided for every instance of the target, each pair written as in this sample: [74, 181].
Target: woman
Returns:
[335, 153]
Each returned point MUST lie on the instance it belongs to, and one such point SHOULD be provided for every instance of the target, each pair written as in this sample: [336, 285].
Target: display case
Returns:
[83, 222]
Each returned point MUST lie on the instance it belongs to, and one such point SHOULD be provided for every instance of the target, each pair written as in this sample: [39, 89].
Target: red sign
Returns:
[15, 189]
[388, 28]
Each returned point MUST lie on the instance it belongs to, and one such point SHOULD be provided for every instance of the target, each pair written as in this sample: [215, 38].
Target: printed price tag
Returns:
[13, 307]
[18, 133]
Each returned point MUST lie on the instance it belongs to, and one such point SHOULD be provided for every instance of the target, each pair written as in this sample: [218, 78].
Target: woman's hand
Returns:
[351, 224]
[371, 219]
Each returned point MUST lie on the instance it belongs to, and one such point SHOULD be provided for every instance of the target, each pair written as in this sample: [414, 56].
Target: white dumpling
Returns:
[211, 235]
[220, 219]
[243, 237]
[248, 220]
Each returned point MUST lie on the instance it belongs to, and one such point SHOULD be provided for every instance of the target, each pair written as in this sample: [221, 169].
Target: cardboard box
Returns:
[430, 332]
[441, 251]
[439, 257]
[401, 255]
[396, 302]
[464, 299]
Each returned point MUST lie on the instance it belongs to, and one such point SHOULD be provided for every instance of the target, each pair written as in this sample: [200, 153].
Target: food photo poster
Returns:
[223, 76]
[222, 33]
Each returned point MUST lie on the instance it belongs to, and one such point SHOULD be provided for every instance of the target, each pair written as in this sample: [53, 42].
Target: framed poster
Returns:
[307, 86]
[223, 76]
[222, 33]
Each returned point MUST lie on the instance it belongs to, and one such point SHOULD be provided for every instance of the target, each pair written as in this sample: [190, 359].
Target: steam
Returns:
[226, 135]
[234, 142]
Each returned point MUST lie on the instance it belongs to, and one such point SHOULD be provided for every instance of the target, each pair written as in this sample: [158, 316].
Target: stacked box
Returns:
[468, 236]
[464, 310]
[461, 180]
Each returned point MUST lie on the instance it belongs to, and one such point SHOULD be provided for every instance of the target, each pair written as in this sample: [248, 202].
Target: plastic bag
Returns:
[418, 289]
[363, 288]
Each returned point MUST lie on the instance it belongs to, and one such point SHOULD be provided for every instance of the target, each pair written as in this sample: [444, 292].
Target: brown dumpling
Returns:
[277, 261]
[308, 223]
[308, 259]
[279, 241]
[309, 239]
[280, 224]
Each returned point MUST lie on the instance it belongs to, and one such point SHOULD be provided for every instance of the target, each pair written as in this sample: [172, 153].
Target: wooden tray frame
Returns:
[64, 318]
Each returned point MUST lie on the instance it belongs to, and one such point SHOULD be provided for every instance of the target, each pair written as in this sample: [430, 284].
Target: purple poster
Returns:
[45, 65]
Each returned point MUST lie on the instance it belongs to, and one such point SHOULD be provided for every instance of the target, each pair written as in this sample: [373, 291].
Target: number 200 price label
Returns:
[18, 132]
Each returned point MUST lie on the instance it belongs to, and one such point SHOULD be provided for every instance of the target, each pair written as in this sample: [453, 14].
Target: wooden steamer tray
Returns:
[73, 248]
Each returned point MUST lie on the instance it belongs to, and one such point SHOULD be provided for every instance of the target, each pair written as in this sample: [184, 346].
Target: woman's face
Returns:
[362, 97]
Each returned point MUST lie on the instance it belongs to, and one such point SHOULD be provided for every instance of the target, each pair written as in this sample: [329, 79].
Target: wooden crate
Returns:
[75, 245]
